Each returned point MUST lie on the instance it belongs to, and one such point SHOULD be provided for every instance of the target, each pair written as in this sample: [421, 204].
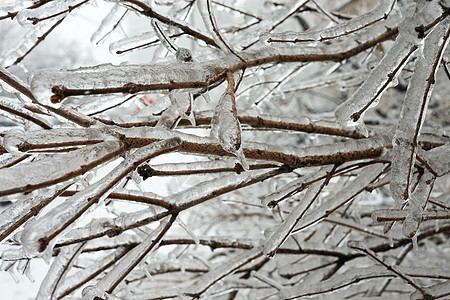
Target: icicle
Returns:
[417, 202]
[186, 228]
[108, 23]
[415, 244]
[181, 104]
[225, 125]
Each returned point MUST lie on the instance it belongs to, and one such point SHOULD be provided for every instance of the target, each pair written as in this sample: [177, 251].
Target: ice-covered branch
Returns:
[367, 175]
[132, 258]
[351, 277]
[282, 232]
[58, 271]
[27, 178]
[392, 268]
[212, 277]
[236, 132]
[42, 231]
[146, 10]
[130, 79]
[405, 141]
[378, 13]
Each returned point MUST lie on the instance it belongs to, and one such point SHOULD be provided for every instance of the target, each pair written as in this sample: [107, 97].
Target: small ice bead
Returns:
[184, 55]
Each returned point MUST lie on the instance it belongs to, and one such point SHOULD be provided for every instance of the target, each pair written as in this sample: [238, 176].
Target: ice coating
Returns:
[20, 140]
[206, 280]
[280, 235]
[16, 212]
[369, 144]
[163, 38]
[293, 186]
[417, 202]
[16, 179]
[226, 128]
[414, 110]
[57, 270]
[107, 226]
[208, 188]
[438, 290]
[383, 76]
[350, 190]
[29, 40]
[14, 5]
[110, 76]
[112, 18]
[367, 95]
[354, 275]
[223, 163]
[17, 107]
[127, 44]
[437, 158]
[251, 35]
[378, 13]
[60, 220]
[132, 258]
[27, 17]
[205, 9]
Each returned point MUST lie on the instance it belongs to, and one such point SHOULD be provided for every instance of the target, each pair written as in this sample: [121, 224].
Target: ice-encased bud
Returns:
[91, 292]
[13, 141]
[184, 55]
